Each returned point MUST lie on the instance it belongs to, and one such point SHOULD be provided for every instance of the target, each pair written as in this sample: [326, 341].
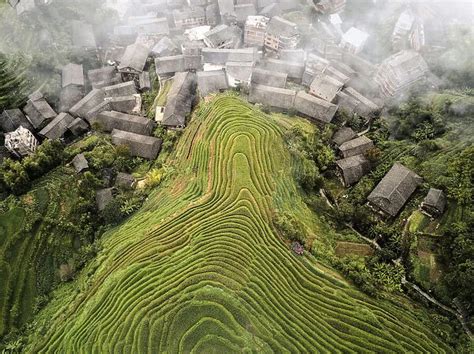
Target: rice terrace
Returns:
[201, 268]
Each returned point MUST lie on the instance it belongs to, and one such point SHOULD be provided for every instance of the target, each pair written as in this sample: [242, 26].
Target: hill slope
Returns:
[200, 267]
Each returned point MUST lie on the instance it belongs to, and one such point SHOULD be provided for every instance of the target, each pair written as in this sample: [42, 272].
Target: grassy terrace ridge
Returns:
[200, 267]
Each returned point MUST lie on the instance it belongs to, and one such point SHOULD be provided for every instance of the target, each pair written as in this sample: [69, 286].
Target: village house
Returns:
[238, 73]
[130, 104]
[180, 100]
[147, 147]
[12, 119]
[57, 127]
[295, 55]
[354, 102]
[69, 96]
[342, 135]
[89, 102]
[110, 120]
[271, 10]
[434, 203]
[21, 142]
[400, 71]
[315, 108]
[144, 81]
[124, 180]
[352, 169]
[325, 87]
[293, 69]
[281, 34]
[164, 48]
[254, 31]
[272, 96]
[78, 127]
[211, 82]
[356, 146]
[394, 190]
[103, 77]
[222, 56]
[103, 197]
[166, 66]
[354, 40]
[133, 60]
[72, 74]
[189, 17]
[39, 112]
[121, 89]
[269, 78]
[79, 162]
[223, 36]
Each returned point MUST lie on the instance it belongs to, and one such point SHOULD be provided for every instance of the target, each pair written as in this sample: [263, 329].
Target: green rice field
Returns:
[201, 269]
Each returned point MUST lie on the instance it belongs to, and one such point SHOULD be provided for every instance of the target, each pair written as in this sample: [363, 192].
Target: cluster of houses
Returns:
[208, 46]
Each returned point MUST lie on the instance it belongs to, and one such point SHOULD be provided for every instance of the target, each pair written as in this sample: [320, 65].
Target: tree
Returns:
[13, 81]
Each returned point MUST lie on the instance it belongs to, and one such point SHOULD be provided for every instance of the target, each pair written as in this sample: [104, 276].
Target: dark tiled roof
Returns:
[394, 190]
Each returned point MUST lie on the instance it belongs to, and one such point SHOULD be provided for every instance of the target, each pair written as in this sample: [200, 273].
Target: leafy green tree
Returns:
[14, 83]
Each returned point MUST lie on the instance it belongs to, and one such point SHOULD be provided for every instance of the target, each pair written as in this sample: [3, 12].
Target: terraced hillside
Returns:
[201, 269]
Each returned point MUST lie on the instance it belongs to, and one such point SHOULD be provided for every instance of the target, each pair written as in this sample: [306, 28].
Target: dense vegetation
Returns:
[207, 269]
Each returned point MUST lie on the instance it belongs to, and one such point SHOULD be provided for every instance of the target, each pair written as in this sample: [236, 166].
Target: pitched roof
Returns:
[11, 119]
[103, 197]
[211, 81]
[111, 120]
[294, 70]
[78, 127]
[57, 127]
[394, 190]
[92, 99]
[124, 180]
[314, 107]
[39, 112]
[169, 65]
[269, 77]
[356, 146]
[73, 74]
[165, 47]
[144, 146]
[325, 87]
[223, 36]
[342, 135]
[69, 96]
[353, 168]
[241, 71]
[80, 163]
[435, 199]
[222, 56]
[122, 89]
[272, 96]
[134, 58]
[278, 26]
[180, 99]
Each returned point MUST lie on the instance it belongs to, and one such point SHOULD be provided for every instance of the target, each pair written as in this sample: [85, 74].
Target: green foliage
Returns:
[289, 227]
[16, 176]
[417, 121]
[458, 256]
[14, 83]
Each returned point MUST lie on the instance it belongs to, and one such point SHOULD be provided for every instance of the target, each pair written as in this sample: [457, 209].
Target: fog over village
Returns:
[236, 175]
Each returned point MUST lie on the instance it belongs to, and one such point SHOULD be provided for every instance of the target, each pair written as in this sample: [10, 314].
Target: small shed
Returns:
[342, 135]
[103, 198]
[434, 203]
[352, 169]
[80, 163]
[124, 180]
[356, 146]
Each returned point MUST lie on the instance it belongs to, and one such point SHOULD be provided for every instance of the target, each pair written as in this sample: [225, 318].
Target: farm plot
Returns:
[201, 269]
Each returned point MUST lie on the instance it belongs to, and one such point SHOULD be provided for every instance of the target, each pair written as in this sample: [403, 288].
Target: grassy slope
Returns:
[31, 250]
[201, 268]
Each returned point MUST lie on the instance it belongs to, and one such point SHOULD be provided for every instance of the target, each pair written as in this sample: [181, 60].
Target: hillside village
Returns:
[205, 47]
[129, 92]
